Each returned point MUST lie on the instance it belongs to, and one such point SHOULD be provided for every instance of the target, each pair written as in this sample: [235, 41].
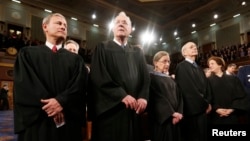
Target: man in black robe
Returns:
[120, 85]
[195, 90]
[49, 88]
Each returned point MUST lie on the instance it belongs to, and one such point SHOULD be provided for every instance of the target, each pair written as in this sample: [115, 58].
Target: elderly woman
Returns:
[165, 103]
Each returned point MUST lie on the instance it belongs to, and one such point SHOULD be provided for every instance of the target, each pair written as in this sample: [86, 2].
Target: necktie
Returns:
[54, 49]
[194, 63]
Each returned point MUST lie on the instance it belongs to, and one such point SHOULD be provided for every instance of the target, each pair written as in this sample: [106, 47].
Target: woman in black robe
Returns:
[165, 103]
[229, 97]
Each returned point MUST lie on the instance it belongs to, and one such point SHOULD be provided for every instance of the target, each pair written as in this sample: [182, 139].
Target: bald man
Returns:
[194, 87]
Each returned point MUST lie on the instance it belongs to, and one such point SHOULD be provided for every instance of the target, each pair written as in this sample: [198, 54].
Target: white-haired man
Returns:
[120, 85]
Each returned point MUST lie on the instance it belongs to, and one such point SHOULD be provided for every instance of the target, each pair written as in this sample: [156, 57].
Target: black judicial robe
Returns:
[194, 88]
[41, 74]
[164, 100]
[228, 92]
[115, 73]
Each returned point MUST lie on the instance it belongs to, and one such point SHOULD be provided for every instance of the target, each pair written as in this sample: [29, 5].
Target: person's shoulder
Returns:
[246, 67]
[182, 63]
[103, 44]
[31, 48]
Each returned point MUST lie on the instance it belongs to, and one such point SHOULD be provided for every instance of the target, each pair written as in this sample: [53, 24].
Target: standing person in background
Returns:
[73, 47]
[229, 96]
[4, 97]
[195, 90]
[244, 76]
[231, 69]
[48, 88]
[120, 84]
[165, 105]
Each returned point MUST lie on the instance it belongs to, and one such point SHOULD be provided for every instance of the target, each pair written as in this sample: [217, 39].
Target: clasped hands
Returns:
[224, 112]
[53, 109]
[139, 105]
[176, 117]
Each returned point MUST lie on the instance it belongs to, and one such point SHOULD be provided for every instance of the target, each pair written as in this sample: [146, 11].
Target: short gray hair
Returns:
[46, 20]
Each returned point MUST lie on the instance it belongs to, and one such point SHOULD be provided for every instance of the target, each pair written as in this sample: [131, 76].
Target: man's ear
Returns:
[44, 27]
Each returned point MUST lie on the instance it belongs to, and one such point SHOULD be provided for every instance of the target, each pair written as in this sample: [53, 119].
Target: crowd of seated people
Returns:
[228, 53]
[16, 40]
[19, 41]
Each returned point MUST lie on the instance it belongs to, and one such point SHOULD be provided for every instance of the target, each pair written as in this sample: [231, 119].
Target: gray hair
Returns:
[123, 14]
[160, 54]
[73, 42]
[184, 47]
[46, 20]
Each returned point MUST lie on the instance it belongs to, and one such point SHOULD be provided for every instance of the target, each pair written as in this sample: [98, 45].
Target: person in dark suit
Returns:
[73, 47]
[49, 88]
[4, 97]
[196, 93]
[244, 76]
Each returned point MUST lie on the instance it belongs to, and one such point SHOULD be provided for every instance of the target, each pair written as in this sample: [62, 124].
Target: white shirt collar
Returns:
[189, 60]
[119, 42]
[50, 45]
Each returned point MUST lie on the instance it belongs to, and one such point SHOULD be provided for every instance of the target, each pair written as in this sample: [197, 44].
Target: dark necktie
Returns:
[54, 49]
[194, 63]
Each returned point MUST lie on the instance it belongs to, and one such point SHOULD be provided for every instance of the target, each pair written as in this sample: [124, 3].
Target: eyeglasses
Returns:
[165, 61]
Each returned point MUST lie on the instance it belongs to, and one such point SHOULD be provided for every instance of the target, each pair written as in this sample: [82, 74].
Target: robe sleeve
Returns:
[105, 91]
[240, 100]
[28, 91]
[145, 77]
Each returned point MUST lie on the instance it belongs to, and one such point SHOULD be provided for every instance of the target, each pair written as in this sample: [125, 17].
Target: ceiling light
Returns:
[111, 25]
[213, 24]
[73, 18]
[193, 25]
[93, 16]
[243, 3]
[175, 33]
[17, 1]
[47, 10]
[237, 15]
[193, 32]
[95, 25]
[215, 16]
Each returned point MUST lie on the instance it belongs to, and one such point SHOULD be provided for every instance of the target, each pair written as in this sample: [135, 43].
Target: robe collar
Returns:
[50, 45]
[119, 43]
